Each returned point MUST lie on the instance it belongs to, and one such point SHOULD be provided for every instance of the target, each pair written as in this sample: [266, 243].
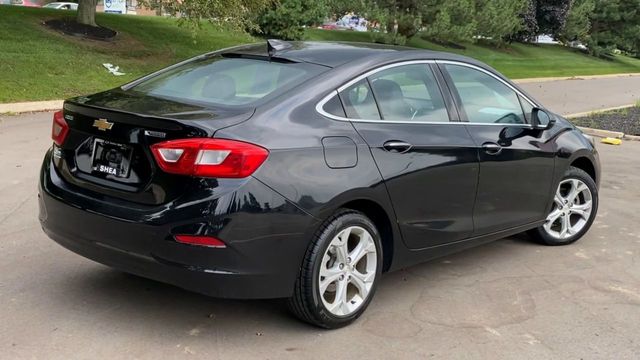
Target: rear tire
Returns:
[574, 208]
[340, 271]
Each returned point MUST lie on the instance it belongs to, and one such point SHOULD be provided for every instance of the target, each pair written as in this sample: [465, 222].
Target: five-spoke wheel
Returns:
[338, 278]
[347, 271]
[571, 210]
[574, 207]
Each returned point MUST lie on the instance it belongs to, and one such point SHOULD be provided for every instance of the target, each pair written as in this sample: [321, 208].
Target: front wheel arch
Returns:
[585, 164]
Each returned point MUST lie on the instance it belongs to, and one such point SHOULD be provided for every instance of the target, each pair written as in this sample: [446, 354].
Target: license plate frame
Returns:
[111, 158]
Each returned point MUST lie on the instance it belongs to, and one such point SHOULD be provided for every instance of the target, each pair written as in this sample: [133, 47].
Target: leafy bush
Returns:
[391, 38]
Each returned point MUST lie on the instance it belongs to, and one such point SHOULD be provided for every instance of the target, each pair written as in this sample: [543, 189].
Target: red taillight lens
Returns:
[203, 157]
[208, 241]
[59, 129]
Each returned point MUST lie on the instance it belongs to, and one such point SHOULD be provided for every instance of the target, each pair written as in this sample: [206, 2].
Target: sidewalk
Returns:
[24, 107]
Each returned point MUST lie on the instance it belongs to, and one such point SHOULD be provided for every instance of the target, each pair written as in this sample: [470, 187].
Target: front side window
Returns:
[227, 81]
[409, 93]
[485, 99]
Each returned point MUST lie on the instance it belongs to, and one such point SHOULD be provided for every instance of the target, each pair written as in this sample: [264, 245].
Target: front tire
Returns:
[340, 271]
[574, 208]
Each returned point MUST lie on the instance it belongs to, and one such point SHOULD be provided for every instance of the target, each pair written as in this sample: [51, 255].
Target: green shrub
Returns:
[391, 38]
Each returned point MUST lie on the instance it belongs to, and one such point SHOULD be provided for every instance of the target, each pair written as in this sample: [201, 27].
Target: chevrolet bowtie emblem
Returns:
[102, 124]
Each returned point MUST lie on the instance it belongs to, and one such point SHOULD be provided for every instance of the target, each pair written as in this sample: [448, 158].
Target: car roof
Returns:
[333, 54]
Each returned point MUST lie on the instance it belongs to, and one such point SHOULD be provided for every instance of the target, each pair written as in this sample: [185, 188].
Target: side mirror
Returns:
[541, 120]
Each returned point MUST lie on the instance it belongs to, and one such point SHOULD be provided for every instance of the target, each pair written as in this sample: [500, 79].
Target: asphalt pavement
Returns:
[511, 299]
[580, 95]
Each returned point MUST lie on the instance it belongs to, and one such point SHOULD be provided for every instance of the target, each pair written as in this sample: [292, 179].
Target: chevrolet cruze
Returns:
[306, 170]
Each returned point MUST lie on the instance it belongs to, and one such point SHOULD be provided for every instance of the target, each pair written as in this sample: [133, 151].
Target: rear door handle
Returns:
[491, 148]
[397, 146]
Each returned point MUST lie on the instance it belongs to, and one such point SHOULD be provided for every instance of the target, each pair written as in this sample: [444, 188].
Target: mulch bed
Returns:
[625, 120]
[70, 27]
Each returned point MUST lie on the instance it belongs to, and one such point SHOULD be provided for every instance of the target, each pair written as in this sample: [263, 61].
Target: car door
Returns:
[428, 162]
[516, 166]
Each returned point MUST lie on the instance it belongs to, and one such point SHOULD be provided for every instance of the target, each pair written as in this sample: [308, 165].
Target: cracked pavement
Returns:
[506, 300]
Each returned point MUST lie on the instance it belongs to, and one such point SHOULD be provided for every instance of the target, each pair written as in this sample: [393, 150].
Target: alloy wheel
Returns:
[572, 205]
[347, 271]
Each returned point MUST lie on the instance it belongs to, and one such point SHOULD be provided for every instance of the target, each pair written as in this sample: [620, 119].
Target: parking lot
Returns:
[508, 299]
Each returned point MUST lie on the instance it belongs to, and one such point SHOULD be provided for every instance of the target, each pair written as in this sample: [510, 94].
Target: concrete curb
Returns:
[560, 78]
[604, 133]
[25, 107]
[601, 133]
[587, 113]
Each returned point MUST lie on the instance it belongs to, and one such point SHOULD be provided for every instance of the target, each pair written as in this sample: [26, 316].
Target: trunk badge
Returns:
[102, 124]
[158, 134]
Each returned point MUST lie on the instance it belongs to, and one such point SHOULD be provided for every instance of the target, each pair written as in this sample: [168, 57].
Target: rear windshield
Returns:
[227, 81]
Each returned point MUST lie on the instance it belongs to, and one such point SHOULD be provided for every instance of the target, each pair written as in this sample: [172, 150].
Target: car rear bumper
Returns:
[264, 243]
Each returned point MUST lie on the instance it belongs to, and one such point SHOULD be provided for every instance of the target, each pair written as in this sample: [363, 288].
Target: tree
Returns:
[338, 8]
[497, 20]
[87, 12]
[449, 21]
[286, 19]
[578, 26]
[239, 14]
[551, 16]
[530, 27]
[615, 24]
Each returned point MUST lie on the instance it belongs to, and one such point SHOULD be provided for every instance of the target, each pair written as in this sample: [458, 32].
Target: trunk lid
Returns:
[107, 151]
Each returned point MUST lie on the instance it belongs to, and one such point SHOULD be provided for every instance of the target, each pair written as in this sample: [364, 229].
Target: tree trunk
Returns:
[87, 12]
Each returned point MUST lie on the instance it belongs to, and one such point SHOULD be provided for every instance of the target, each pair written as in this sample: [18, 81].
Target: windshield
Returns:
[227, 81]
[52, 5]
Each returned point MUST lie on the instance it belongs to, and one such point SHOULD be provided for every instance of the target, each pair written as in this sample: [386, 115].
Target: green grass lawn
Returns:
[517, 61]
[39, 64]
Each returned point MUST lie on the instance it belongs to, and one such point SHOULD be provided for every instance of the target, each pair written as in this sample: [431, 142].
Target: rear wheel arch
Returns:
[381, 220]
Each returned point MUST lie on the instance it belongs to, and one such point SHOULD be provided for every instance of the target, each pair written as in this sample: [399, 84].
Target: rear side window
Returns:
[334, 107]
[409, 93]
[227, 81]
[359, 102]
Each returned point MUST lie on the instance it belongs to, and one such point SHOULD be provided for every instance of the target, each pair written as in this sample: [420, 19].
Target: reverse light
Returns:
[208, 241]
[205, 157]
[59, 128]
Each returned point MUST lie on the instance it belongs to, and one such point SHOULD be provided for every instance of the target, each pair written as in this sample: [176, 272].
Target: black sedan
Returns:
[306, 170]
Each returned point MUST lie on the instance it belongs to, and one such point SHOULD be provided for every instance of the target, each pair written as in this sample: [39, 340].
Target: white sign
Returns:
[115, 6]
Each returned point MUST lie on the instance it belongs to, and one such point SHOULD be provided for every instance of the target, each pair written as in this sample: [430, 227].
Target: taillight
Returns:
[59, 129]
[208, 241]
[204, 157]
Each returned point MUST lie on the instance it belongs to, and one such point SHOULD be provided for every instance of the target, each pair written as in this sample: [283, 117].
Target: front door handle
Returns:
[491, 148]
[397, 146]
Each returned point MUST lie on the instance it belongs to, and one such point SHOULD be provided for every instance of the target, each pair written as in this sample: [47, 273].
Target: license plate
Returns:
[111, 158]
